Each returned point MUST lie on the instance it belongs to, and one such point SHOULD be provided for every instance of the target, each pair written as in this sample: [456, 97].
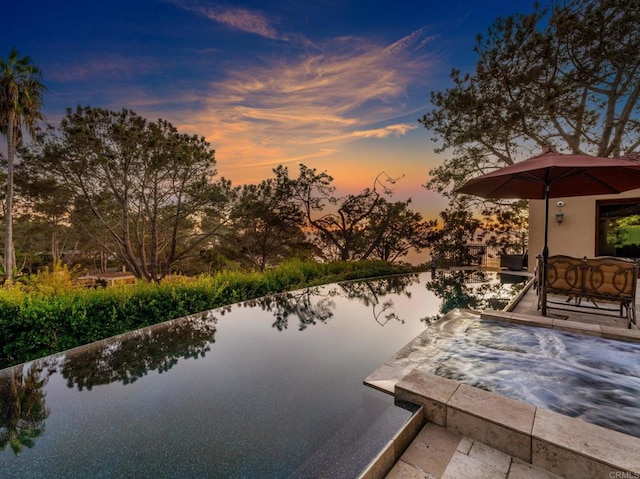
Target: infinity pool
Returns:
[267, 388]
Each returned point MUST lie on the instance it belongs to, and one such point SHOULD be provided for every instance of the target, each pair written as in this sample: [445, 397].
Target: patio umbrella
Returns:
[555, 175]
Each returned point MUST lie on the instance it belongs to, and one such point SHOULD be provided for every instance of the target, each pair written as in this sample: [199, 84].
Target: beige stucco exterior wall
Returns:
[576, 236]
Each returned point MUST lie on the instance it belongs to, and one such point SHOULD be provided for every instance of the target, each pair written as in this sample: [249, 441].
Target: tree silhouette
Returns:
[469, 290]
[298, 304]
[568, 76]
[150, 349]
[266, 224]
[311, 306]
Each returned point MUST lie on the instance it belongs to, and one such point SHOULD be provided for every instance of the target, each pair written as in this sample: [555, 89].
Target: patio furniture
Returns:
[514, 262]
[556, 175]
[111, 279]
[89, 282]
[604, 279]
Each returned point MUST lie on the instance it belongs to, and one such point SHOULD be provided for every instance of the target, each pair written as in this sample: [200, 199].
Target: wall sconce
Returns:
[560, 214]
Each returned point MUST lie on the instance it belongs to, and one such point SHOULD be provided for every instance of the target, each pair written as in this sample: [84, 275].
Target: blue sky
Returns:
[335, 84]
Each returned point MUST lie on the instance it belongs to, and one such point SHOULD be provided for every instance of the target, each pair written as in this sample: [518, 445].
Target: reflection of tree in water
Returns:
[469, 290]
[300, 304]
[158, 348]
[311, 306]
[22, 399]
[22, 406]
[370, 294]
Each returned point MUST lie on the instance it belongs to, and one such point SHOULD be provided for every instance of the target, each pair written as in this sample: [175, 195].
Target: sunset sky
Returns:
[335, 84]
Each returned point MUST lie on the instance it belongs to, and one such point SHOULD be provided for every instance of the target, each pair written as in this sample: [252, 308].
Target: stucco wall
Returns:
[576, 236]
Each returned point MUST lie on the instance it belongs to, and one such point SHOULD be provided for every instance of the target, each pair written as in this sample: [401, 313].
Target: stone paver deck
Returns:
[437, 452]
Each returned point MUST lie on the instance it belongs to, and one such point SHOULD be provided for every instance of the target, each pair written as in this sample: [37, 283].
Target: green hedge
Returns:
[48, 315]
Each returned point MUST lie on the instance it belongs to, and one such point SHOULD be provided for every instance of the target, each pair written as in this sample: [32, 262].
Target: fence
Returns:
[481, 255]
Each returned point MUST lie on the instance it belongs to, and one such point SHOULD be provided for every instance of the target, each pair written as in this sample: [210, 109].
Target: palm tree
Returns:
[22, 406]
[21, 92]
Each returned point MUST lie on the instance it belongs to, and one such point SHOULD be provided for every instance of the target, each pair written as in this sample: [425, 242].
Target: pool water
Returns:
[267, 388]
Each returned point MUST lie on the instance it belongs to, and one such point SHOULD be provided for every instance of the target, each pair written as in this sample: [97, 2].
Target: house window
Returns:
[618, 228]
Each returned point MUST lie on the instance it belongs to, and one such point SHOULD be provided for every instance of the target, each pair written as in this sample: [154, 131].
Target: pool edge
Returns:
[380, 466]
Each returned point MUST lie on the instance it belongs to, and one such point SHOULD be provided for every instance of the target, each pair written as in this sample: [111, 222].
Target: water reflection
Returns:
[130, 357]
[371, 293]
[22, 406]
[226, 414]
[316, 305]
[308, 305]
[125, 359]
[472, 289]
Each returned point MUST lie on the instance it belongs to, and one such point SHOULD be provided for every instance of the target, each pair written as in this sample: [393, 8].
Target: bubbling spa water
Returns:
[595, 379]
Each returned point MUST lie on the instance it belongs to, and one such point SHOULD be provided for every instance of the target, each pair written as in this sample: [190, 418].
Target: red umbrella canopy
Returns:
[566, 175]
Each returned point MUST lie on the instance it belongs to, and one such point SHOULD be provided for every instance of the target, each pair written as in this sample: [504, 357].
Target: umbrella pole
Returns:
[545, 252]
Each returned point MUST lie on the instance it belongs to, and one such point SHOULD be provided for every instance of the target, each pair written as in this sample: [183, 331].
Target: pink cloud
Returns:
[319, 102]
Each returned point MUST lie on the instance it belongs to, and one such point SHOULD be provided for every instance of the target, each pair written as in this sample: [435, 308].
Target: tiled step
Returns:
[441, 454]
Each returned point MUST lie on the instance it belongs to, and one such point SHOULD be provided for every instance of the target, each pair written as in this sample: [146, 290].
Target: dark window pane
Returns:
[619, 229]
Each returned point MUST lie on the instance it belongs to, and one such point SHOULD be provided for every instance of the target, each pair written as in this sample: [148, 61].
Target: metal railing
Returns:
[475, 255]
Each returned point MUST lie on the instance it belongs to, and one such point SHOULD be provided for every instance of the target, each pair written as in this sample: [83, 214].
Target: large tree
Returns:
[396, 230]
[43, 206]
[21, 90]
[266, 224]
[449, 244]
[142, 190]
[357, 226]
[569, 76]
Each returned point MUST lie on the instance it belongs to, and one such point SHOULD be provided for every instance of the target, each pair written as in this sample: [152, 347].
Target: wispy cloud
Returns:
[314, 105]
[391, 130]
[299, 108]
[250, 21]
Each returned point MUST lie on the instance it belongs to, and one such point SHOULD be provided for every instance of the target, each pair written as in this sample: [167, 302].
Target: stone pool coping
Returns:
[562, 445]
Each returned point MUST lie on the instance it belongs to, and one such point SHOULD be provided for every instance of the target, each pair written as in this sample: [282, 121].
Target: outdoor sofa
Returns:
[596, 283]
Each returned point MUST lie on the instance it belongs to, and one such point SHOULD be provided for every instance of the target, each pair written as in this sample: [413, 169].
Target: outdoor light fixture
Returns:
[560, 214]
